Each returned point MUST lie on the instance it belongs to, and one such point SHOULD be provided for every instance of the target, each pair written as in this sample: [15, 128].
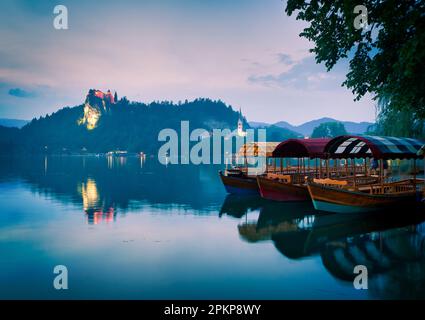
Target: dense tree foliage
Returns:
[395, 122]
[386, 59]
[130, 126]
[329, 130]
[8, 139]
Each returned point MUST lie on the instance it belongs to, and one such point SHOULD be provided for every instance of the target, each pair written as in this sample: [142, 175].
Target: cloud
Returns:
[285, 58]
[160, 51]
[306, 74]
[21, 93]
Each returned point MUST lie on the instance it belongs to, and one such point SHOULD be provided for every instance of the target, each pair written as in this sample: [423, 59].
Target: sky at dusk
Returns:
[244, 52]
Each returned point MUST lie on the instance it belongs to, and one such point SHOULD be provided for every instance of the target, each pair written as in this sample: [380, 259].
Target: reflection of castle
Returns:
[92, 205]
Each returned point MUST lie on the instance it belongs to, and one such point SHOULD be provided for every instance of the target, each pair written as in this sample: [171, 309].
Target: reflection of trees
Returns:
[391, 246]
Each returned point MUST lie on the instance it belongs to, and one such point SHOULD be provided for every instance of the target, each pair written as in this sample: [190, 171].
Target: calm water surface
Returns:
[128, 229]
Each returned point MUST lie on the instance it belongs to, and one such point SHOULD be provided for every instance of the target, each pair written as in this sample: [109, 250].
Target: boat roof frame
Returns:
[377, 147]
[301, 148]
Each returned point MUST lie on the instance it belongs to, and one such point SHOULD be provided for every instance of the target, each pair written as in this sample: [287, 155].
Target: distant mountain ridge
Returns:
[255, 124]
[12, 123]
[306, 129]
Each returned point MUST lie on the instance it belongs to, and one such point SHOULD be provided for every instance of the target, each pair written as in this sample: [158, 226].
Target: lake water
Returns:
[132, 229]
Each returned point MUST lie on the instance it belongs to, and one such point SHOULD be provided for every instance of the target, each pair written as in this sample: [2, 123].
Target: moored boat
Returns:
[241, 180]
[239, 183]
[363, 199]
[347, 196]
[287, 181]
[281, 190]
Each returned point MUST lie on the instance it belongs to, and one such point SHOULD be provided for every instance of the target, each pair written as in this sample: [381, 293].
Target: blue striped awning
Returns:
[373, 146]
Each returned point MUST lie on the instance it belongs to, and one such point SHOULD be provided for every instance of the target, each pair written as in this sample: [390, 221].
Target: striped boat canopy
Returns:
[257, 149]
[296, 148]
[372, 146]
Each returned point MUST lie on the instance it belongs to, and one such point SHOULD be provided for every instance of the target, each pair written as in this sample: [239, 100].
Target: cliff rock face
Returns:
[97, 103]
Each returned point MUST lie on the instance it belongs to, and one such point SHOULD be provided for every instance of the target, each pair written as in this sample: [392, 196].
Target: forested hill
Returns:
[104, 123]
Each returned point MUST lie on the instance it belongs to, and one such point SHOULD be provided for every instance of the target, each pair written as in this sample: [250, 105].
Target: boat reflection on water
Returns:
[237, 205]
[173, 233]
[391, 245]
[276, 218]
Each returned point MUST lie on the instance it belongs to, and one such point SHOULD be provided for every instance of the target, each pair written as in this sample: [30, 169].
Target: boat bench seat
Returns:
[281, 177]
[331, 182]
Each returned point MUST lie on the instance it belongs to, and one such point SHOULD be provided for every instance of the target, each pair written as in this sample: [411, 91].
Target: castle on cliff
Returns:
[104, 96]
[97, 103]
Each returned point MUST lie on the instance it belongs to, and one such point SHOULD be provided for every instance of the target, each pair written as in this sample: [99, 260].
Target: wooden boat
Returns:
[287, 183]
[340, 199]
[279, 188]
[241, 180]
[344, 196]
[237, 182]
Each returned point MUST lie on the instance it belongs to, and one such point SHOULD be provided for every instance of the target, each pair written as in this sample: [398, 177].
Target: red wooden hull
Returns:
[280, 191]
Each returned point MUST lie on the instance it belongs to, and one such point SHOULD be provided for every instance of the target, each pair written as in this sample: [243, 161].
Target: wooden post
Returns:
[298, 170]
[365, 167]
[301, 166]
[381, 174]
[246, 164]
[327, 168]
[308, 166]
[336, 167]
[320, 171]
[316, 168]
[281, 165]
[414, 173]
[346, 167]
